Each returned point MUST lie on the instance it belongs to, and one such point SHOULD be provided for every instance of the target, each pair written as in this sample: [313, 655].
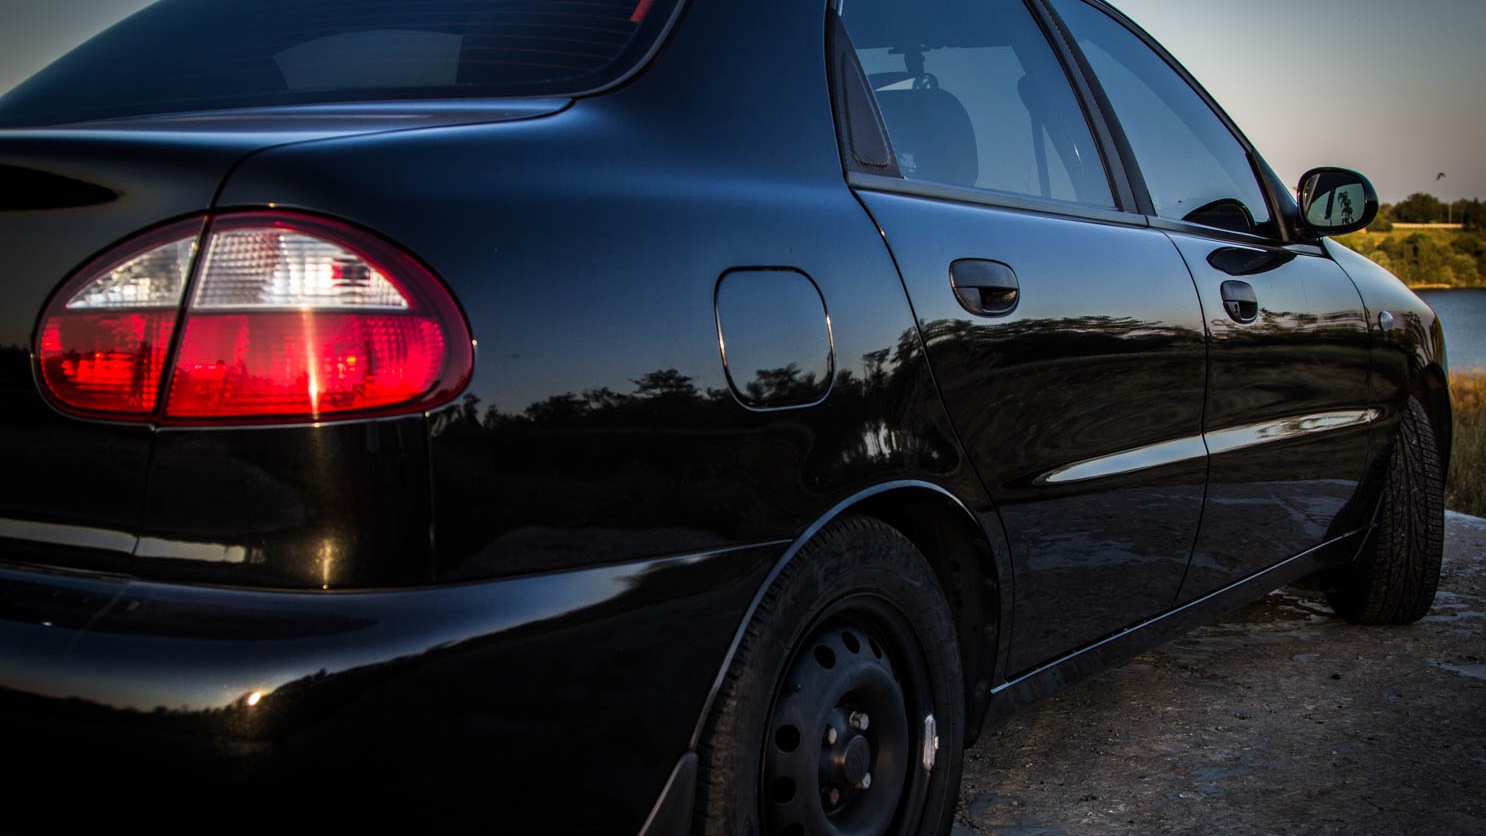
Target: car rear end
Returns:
[217, 543]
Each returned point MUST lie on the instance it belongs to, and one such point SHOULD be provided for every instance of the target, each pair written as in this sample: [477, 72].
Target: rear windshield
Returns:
[192, 55]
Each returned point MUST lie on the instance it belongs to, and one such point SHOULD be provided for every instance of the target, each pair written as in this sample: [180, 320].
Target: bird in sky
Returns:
[1439, 177]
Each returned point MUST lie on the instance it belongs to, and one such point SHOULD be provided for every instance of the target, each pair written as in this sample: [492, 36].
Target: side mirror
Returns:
[1335, 201]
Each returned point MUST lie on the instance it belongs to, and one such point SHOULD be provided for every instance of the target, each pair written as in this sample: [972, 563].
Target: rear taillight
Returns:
[279, 318]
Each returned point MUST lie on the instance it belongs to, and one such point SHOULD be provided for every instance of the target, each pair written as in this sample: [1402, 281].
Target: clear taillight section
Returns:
[280, 267]
[289, 318]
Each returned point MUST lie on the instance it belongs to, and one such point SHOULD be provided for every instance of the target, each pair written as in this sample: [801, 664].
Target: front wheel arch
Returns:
[1394, 578]
[1432, 390]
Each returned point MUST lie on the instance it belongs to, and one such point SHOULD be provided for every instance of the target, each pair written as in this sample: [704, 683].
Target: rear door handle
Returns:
[984, 287]
[1240, 302]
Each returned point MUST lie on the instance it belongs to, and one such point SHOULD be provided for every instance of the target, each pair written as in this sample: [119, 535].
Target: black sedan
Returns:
[640, 416]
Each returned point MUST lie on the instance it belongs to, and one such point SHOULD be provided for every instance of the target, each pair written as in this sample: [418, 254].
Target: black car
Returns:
[639, 416]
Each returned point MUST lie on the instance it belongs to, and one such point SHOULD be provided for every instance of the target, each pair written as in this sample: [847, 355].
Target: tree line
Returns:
[1422, 258]
[1440, 257]
[1423, 208]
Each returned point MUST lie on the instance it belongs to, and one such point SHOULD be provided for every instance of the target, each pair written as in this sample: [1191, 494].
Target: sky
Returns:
[1393, 89]
[1390, 88]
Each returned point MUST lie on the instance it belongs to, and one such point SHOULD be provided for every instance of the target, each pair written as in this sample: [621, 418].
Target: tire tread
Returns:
[1394, 582]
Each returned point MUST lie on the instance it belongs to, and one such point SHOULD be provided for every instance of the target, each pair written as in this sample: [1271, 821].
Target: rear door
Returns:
[1287, 415]
[1066, 336]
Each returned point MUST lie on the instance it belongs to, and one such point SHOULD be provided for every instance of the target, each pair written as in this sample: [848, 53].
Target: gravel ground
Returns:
[1279, 719]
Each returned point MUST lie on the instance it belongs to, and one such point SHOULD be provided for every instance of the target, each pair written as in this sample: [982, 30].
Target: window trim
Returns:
[859, 122]
[997, 199]
[1109, 137]
[1214, 232]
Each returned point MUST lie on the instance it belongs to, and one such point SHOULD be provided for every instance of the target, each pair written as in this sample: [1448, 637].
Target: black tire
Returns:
[855, 623]
[1394, 581]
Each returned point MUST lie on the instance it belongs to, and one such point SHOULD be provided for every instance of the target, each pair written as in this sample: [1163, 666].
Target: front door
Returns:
[1287, 414]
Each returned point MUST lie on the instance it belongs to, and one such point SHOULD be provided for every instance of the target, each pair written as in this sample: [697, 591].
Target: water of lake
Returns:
[1463, 313]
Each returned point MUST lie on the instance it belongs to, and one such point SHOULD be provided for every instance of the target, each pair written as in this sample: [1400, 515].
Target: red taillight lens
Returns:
[289, 318]
[106, 362]
[302, 363]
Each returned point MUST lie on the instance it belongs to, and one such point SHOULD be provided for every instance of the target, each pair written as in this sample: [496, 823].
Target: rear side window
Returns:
[192, 55]
[972, 95]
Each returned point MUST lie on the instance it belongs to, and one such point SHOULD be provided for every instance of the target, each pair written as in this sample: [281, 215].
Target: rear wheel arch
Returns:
[950, 538]
[963, 559]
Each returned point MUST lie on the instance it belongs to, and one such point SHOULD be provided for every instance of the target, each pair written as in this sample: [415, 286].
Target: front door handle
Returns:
[1240, 302]
[984, 288]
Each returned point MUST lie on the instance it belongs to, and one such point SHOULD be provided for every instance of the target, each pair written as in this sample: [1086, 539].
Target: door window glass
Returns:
[972, 95]
[1195, 169]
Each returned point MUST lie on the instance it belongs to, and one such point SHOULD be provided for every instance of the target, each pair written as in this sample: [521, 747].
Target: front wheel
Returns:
[1394, 581]
[842, 713]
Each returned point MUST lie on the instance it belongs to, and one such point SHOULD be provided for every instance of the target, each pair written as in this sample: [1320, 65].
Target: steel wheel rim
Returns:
[843, 747]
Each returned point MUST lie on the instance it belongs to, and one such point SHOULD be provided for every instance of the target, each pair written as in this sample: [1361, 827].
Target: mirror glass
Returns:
[1334, 200]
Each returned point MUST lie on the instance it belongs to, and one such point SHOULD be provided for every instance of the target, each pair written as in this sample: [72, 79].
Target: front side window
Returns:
[193, 55]
[1194, 168]
[972, 95]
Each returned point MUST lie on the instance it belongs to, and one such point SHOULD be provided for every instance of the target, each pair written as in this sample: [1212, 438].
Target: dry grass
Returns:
[1465, 491]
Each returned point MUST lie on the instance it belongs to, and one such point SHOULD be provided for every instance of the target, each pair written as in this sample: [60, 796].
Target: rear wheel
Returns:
[1394, 580]
[843, 711]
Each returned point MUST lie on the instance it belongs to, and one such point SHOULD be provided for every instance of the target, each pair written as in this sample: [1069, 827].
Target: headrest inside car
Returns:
[931, 135]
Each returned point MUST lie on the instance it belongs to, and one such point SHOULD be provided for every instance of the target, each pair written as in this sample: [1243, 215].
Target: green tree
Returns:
[1424, 262]
[1442, 257]
[1463, 270]
[1473, 247]
[665, 383]
[1419, 208]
